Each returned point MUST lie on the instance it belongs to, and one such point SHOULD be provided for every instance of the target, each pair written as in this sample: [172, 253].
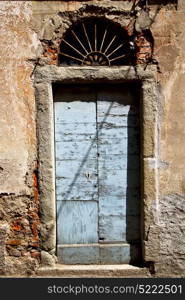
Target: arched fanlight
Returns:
[95, 42]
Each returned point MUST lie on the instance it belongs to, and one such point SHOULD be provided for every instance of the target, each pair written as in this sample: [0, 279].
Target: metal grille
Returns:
[96, 42]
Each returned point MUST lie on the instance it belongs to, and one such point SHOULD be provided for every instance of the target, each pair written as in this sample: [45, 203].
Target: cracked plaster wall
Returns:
[25, 26]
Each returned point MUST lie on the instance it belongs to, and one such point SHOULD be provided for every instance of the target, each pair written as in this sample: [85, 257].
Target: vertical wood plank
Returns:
[76, 167]
[118, 145]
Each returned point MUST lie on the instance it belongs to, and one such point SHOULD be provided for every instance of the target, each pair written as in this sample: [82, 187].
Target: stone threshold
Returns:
[93, 271]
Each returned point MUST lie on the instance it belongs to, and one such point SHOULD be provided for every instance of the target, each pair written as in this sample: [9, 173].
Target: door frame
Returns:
[45, 76]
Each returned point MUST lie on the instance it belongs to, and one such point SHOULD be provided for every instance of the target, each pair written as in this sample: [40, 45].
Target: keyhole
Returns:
[88, 175]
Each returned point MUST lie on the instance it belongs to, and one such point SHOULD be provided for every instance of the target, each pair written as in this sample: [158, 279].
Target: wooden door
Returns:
[97, 174]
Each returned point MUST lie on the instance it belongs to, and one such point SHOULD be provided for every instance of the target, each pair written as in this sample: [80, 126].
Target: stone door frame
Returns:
[45, 76]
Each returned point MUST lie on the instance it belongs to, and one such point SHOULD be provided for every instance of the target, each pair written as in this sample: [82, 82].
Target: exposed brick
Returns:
[34, 242]
[144, 49]
[15, 242]
[16, 225]
[36, 254]
[51, 55]
[35, 185]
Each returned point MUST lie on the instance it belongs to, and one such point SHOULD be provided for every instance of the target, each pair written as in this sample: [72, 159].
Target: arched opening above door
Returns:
[96, 42]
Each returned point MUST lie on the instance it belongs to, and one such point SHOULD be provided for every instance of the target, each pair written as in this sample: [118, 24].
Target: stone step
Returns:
[93, 271]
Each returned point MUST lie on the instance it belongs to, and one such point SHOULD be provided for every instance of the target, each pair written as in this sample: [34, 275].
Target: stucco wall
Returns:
[169, 33]
[26, 27]
[18, 160]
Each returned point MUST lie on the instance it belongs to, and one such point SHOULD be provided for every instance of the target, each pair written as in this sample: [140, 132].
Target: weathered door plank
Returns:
[118, 143]
[76, 170]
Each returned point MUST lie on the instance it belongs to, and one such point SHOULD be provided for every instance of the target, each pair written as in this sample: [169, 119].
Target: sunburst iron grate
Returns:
[96, 42]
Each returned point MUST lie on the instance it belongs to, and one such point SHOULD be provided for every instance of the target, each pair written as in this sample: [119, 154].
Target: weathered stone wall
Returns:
[30, 33]
[169, 33]
[18, 160]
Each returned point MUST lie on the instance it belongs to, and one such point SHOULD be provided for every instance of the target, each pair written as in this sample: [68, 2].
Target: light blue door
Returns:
[97, 174]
